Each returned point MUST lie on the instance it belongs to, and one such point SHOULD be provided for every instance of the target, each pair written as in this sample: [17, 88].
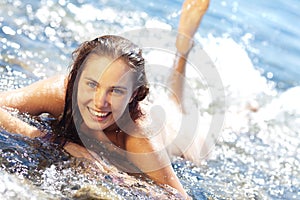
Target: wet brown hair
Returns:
[114, 47]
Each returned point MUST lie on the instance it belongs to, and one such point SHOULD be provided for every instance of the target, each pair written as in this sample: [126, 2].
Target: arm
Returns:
[191, 16]
[155, 165]
[42, 96]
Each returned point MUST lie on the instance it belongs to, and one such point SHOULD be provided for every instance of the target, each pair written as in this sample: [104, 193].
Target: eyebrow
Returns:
[90, 79]
[113, 87]
[119, 87]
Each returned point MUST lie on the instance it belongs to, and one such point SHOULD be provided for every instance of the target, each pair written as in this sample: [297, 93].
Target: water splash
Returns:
[257, 156]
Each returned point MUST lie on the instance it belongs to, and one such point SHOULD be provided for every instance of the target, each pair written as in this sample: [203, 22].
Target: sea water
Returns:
[255, 47]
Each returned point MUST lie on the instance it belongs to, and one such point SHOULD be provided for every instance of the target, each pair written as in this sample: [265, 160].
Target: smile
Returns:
[99, 114]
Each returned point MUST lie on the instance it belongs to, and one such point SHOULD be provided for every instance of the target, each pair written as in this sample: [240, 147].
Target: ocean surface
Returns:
[255, 47]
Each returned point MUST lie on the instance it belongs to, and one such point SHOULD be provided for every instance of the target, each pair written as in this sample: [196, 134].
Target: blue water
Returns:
[255, 46]
[275, 41]
[273, 44]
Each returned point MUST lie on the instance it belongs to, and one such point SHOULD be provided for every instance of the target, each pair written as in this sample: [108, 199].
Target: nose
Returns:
[101, 98]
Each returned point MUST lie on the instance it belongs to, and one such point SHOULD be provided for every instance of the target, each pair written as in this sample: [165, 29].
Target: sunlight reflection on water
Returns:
[256, 157]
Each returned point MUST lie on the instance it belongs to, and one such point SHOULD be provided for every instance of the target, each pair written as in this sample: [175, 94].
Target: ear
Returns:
[133, 95]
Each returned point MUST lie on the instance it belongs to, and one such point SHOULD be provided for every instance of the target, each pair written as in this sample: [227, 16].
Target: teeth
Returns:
[99, 114]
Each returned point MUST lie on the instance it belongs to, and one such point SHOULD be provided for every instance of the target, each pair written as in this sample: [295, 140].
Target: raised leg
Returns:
[191, 15]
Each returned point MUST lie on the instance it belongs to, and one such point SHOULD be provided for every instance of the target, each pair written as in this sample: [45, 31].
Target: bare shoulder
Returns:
[140, 141]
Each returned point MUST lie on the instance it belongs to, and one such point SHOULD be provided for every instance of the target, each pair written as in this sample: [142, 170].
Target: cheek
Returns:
[119, 105]
[83, 95]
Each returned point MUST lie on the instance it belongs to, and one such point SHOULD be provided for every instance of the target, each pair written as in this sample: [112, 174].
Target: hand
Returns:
[14, 125]
[31, 131]
[78, 151]
[191, 15]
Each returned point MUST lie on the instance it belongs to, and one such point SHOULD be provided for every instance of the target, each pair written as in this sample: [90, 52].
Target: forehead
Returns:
[106, 70]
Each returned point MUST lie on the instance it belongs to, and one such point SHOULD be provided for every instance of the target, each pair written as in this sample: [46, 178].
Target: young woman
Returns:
[101, 94]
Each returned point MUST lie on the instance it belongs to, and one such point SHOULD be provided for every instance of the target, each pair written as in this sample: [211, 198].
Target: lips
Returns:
[99, 114]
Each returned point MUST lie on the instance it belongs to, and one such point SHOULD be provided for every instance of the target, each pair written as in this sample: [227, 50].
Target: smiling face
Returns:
[104, 90]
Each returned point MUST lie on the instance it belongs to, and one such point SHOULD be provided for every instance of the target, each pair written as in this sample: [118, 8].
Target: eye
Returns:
[118, 91]
[92, 84]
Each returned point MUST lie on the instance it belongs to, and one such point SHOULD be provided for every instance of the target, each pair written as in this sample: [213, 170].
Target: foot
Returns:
[191, 15]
